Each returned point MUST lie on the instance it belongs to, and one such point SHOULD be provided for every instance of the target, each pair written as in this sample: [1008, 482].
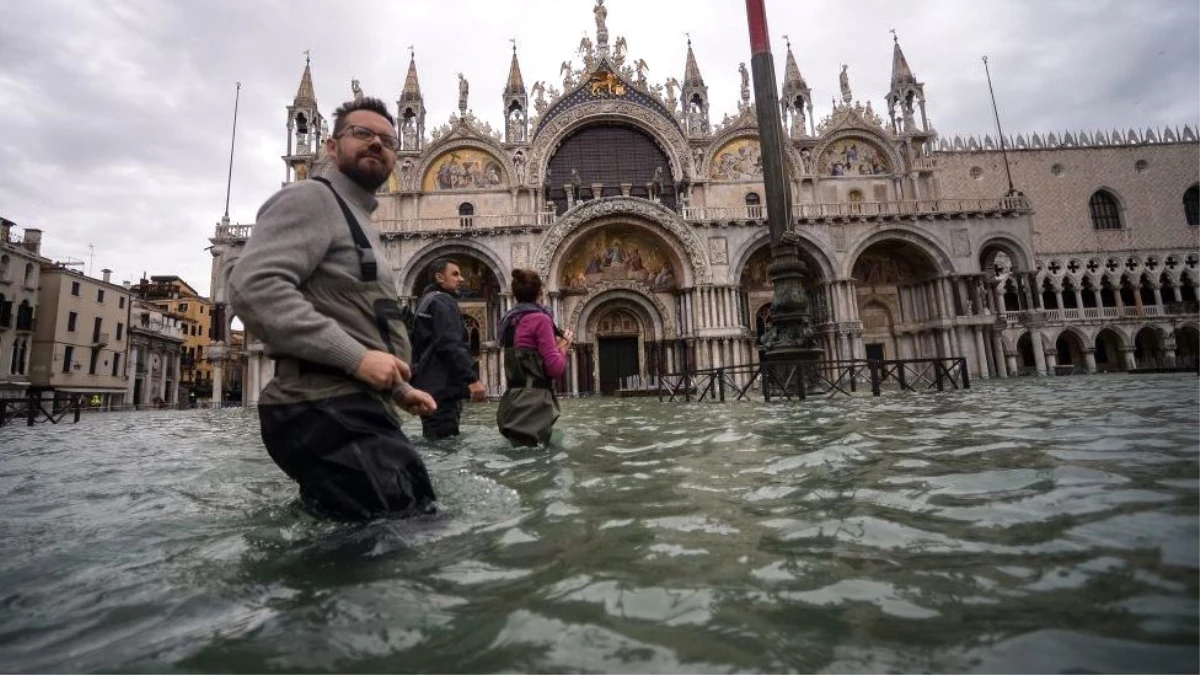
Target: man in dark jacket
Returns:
[443, 363]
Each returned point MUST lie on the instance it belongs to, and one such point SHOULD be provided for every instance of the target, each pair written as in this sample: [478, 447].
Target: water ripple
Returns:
[1026, 525]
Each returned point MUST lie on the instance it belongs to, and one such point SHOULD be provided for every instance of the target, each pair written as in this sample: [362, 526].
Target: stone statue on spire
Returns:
[844, 79]
[463, 90]
[601, 14]
[356, 90]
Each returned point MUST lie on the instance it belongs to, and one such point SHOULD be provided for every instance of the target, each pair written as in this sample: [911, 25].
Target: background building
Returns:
[646, 217]
[176, 297]
[156, 339]
[20, 271]
[81, 336]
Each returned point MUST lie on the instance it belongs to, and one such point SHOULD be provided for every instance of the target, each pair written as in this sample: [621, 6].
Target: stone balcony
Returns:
[802, 214]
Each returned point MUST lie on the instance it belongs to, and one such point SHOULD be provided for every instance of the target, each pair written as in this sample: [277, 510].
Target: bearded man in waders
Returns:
[313, 286]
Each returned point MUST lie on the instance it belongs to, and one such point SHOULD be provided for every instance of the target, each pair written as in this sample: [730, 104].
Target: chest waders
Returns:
[528, 408]
[337, 438]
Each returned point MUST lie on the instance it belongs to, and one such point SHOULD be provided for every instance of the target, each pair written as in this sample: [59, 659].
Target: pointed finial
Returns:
[412, 53]
[689, 38]
[894, 37]
[514, 41]
[307, 56]
[787, 41]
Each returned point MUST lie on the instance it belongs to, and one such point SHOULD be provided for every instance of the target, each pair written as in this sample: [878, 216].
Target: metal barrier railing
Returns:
[797, 380]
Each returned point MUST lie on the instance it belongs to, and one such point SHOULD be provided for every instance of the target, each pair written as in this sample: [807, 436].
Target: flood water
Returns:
[1024, 526]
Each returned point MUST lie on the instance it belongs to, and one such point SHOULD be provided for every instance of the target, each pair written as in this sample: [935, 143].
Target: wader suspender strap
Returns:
[366, 256]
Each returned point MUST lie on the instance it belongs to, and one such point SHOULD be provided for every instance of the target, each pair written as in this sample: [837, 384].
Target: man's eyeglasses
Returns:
[366, 136]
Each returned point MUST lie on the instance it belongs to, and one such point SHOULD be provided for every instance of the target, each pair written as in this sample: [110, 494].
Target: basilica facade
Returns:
[646, 217]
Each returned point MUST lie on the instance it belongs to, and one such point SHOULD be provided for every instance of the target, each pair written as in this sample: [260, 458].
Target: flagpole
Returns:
[233, 139]
[996, 112]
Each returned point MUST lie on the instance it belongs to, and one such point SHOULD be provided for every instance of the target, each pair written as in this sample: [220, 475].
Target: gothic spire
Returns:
[305, 96]
[901, 73]
[516, 85]
[791, 74]
[412, 87]
[691, 71]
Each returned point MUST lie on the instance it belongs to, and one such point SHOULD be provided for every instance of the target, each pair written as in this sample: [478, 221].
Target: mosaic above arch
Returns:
[853, 156]
[463, 168]
[739, 159]
[618, 253]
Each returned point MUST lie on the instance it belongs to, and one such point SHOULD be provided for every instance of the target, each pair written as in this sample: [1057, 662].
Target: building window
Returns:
[753, 205]
[1106, 215]
[75, 288]
[3, 267]
[6, 307]
[92, 360]
[120, 331]
[1191, 205]
[116, 365]
[99, 295]
[29, 275]
[121, 302]
[72, 317]
[183, 306]
[68, 357]
[466, 214]
[96, 329]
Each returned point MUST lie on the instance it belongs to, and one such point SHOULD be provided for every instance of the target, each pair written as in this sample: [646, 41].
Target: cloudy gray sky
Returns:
[117, 114]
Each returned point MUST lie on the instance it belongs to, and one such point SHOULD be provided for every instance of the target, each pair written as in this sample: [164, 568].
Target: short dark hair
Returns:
[368, 103]
[439, 265]
[526, 285]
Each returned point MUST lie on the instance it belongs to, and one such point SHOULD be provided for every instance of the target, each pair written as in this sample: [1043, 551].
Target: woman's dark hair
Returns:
[526, 285]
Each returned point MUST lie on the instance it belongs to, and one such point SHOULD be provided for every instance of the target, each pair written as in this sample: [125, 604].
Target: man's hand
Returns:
[417, 402]
[478, 392]
[565, 342]
[381, 370]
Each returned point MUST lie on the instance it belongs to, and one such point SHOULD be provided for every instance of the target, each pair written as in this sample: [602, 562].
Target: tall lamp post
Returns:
[790, 336]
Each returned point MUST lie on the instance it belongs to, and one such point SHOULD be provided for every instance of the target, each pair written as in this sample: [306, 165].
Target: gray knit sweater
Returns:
[301, 231]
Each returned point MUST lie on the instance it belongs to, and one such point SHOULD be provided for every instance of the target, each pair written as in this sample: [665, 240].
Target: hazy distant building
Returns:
[646, 216]
[20, 269]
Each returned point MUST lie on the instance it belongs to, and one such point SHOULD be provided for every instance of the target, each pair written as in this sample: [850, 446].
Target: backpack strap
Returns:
[366, 256]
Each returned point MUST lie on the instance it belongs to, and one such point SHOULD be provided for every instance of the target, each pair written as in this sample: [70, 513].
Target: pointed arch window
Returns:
[1105, 212]
[1191, 205]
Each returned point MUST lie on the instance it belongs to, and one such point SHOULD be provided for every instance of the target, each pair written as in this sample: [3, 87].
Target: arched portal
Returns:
[1148, 349]
[1069, 348]
[620, 340]
[1187, 346]
[1108, 352]
[896, 284]
[1026, 361]
[479, 296]
[757, 289]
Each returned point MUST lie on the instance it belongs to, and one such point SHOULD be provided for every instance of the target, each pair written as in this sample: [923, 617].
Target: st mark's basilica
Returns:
[646, 217]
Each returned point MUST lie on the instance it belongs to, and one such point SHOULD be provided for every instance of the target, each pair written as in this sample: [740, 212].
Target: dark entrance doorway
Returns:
[618, 359]
[874, 351]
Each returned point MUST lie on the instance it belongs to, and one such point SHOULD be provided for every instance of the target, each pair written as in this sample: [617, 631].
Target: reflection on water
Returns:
[1033, 525]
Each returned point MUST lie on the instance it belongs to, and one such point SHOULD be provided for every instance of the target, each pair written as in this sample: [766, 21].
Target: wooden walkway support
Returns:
[33, 408]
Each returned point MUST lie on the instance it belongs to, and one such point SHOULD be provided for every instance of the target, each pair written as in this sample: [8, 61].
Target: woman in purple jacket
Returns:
[535, 354]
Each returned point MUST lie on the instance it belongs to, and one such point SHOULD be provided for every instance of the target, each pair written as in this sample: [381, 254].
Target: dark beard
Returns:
[368, 180]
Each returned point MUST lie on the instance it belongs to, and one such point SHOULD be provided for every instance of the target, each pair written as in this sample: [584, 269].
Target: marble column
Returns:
[1002, 369]
[1127, 356]
[1039, 353]
[1089, 360]
[981, 351]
